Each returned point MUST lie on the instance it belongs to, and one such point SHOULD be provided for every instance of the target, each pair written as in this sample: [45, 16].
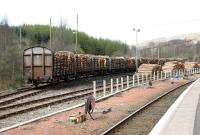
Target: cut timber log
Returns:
[191, 65]
[118, 63]
[63, 63]
[173, 65]
[180, 60]
[149, 68]
[83, 63]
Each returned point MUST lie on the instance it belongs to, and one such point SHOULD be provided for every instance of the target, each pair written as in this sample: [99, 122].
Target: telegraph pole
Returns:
[136, 51]
[20, 37]
[50, 34]
[76, 33]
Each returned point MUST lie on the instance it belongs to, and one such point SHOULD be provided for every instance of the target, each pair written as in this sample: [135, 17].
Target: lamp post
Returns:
[158, 54]
[136, 51]
[50, 34]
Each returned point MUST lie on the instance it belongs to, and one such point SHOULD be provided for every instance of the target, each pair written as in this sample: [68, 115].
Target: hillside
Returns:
[190, 36]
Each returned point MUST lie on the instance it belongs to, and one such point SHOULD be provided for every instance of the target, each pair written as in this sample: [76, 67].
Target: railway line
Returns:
[24, 92]
[18, 91]
[19, 96]
[16, 109]
[144, 118]
[28, 100]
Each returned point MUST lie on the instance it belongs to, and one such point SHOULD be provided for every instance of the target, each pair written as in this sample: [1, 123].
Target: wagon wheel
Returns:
[35, 83]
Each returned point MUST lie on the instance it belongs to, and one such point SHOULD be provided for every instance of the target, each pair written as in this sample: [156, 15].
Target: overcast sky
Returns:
[113, 19]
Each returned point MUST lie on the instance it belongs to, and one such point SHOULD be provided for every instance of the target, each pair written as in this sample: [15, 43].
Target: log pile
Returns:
[100, 62]
[152, 61]
[142, 61]
[83, 63]
[105, 62]
[63, 63]
[118, 62]
[149, 68]
[162, 61]
[191, 65]
[173, 65]
[130, 62]
[180, 60]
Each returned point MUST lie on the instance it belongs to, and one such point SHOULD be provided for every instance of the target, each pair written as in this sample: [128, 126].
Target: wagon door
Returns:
[38, 64]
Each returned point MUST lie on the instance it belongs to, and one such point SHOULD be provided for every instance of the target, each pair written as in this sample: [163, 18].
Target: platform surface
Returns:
[183, 117]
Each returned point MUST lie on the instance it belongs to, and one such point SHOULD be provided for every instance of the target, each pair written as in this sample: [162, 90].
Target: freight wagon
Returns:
[41, 65]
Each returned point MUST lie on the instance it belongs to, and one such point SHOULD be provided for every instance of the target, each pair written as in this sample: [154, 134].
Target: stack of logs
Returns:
[173, 65]
[118, 63]
[100, 62]
[190, 65]
[180, 60]
[130, 62]
[149, 68]
[83, 63]
[63, 63]
[152, 61]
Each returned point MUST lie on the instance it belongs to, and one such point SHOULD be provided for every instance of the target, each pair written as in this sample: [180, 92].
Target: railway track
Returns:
[22, 90]
[19, 96]
[15, 109]
[5, 94]
[144, 118]
[26, 94]
[10, 108]
[29, 91]
[18, 91]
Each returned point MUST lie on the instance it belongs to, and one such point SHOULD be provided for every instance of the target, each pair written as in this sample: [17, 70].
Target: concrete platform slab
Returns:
[181, 116]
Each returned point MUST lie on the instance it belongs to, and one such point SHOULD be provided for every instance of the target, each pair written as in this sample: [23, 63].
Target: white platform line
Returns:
[160, 126]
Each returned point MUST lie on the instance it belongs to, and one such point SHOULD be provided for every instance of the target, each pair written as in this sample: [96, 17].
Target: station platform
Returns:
[183, 117]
